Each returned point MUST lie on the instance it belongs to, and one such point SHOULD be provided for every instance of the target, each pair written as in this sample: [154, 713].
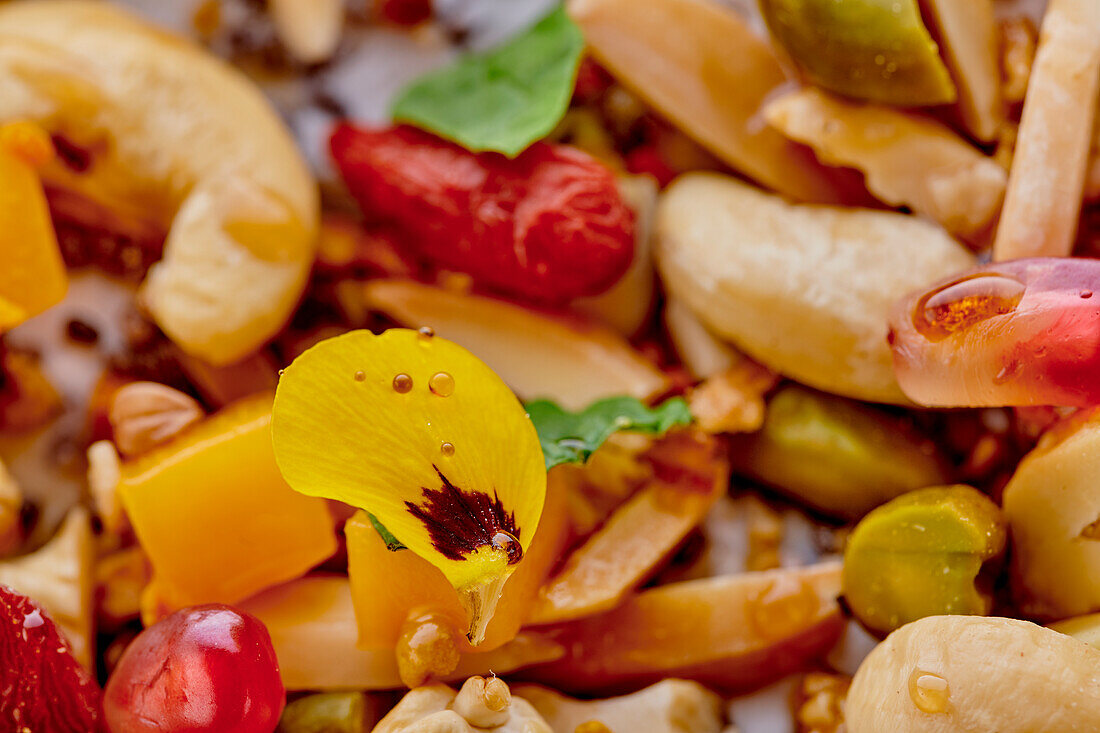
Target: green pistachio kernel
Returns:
[839, 457]
[330, 712]
[878, 50]
[920, 555]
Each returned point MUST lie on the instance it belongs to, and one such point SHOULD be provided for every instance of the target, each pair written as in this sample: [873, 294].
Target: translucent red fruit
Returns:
[1024, 332]
[42, 686]
[206, 668]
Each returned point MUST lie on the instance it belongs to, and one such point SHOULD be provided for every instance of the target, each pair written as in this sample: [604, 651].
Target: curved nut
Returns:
[804, 290]
[945, 674]
[177, 136]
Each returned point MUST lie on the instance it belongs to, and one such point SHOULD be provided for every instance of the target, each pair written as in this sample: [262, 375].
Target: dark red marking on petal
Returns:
[459, 521]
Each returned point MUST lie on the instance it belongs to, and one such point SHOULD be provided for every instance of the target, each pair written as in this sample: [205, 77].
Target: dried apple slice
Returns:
[539, 355]
[638, 535]
[1045, 186]
[804, 290]
[700, 65]
[179, 138]
[907, 160]
[60, 577]
[313, 628]
[733, 633]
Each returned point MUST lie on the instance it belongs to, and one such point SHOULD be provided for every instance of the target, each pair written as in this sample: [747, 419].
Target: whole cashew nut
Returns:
[970, 674]
[179, 138]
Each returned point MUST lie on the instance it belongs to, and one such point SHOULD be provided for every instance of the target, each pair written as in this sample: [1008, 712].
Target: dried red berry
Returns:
[207, 668]
[548, 225]
[42, 686]
[405, 12]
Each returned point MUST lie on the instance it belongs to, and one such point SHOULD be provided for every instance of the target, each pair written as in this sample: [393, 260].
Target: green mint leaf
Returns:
[392, 543]
[570, 437]
[502, 100]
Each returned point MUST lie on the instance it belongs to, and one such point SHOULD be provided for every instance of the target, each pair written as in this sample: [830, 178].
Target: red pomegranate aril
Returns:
[42, 686]
[206, 668]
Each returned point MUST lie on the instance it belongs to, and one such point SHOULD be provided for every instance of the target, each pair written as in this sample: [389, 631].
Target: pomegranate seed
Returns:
[206, 668]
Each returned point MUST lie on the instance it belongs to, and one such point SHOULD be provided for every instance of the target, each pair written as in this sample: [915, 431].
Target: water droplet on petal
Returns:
[33, 620]
[426, 331]
[1086, 294]
[442, 384]
[281, 372]
[402, 383]
[966, 302]
[360, 376]
[507, 541]
[929, 691]
[447, 449]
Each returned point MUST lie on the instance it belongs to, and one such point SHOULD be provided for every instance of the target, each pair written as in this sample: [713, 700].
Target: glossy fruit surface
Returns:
[1012, 333]
[206, 668]
[42, 686]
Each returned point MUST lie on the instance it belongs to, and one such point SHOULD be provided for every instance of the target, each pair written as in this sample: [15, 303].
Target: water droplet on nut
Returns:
[929, 691]
[426, 332]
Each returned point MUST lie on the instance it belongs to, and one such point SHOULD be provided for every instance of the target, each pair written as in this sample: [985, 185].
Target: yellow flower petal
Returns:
[419, 432]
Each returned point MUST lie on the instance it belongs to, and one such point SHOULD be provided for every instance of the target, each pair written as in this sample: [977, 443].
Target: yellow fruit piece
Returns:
[32, 277]
[215, 517]
[420, 433]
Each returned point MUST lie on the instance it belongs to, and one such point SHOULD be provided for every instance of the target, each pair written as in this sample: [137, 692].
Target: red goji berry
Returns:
[548, 225]
[405, 12]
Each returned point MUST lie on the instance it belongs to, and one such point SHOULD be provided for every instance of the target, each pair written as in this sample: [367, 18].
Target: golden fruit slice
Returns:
[215, 517]
[878, 50]
[539, 355]
[732, 632]
[906, 160]
[699, 64]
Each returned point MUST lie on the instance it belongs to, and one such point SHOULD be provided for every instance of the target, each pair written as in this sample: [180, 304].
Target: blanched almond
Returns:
[144, 415]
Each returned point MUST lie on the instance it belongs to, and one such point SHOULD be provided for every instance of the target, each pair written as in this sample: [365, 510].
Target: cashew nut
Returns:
[804, 290]
[178, 137]
[670, 706]
[481, 705]
[968, 674]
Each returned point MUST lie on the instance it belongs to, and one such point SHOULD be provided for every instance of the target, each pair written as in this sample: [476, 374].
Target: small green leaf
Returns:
[502, 100]
[570, 437]
[392, 543]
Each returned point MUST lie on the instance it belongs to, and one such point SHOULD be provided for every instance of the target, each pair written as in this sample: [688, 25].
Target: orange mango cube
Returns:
[32, 277]
[214, 515]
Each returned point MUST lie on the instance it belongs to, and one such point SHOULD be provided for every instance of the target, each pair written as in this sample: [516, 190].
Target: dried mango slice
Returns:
[32, 277]
[424, 436]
